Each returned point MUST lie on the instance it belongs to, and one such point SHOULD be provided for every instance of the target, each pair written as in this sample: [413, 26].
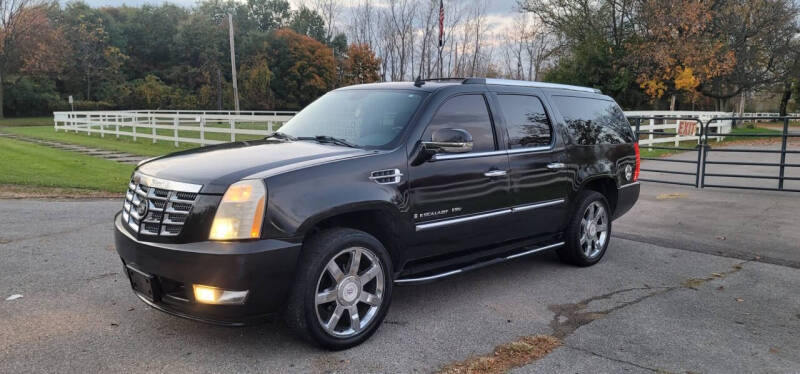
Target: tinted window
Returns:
[466, 112]
[526, 121]
[594, 121]
[370, 118]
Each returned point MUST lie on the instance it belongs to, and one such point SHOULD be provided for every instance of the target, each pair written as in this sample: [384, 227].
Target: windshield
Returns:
[364, 118]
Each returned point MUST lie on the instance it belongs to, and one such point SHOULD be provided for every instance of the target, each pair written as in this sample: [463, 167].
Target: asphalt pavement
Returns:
[669, 296]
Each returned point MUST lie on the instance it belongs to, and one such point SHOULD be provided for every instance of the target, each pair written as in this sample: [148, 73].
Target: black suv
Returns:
[373, 186]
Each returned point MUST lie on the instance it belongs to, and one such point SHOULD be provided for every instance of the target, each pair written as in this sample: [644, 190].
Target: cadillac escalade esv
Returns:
[373, 186]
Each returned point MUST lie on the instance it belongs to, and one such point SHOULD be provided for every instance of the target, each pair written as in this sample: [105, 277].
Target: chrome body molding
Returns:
[427, 226]
[519, 208]
[535, 250]
[166, 184]
[428, 278]
[479, 265]
[628, 185]
[456, 156]
[529, 149]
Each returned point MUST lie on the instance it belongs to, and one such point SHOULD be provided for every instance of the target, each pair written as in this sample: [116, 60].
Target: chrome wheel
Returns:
[349, 292]
[594, 230]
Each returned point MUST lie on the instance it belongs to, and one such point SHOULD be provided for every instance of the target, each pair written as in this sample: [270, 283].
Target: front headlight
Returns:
[241, 212]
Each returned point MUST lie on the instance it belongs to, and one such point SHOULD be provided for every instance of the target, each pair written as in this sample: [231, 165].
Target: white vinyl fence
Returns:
[198, 127]
[668, 122]
[213, 127]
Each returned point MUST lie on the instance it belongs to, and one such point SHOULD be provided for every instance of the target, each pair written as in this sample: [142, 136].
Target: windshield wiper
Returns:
[280, 135]
[329, 139]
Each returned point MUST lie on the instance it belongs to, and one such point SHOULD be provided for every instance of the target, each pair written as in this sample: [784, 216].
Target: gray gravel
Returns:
[77, 313]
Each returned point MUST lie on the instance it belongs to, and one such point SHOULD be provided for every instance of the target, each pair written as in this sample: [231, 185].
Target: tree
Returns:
[303, 69]
[270, 14]
[758, 33]
[27, 40]
[361, 65]
[255, 89]
[308, 22]
[678, 50]
[589, 44]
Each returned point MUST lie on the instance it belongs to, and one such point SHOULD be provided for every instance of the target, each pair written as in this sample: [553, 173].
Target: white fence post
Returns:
[134, 123]
[151, 119]
[233, 129]
[202, 130]
[116, 123]
[175, 128]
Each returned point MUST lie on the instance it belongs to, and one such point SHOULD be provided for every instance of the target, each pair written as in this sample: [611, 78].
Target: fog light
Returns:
[218, 296]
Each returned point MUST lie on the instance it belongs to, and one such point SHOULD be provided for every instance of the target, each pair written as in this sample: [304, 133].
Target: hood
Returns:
[217, 167]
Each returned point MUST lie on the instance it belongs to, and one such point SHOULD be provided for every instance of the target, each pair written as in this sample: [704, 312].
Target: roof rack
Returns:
[512, 82]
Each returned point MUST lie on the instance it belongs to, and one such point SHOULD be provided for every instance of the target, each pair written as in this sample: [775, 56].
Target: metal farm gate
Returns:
[710, 154]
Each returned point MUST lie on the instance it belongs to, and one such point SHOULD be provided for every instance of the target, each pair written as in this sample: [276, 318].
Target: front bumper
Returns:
[264, 267]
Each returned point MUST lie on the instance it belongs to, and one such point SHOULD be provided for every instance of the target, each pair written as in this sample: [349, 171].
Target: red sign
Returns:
[687, 128]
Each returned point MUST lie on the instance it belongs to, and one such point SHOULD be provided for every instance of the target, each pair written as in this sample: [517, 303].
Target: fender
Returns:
[300, 199]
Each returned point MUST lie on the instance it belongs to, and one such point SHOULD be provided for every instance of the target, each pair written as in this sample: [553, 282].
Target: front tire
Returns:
[342, 290]
[589, 231]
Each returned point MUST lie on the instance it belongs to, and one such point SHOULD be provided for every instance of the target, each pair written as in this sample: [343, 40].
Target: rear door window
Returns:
[526, 121]
[594, 121]
[465, 112]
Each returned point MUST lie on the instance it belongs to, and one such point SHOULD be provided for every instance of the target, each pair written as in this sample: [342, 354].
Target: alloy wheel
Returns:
[594, 230]
[349, 292]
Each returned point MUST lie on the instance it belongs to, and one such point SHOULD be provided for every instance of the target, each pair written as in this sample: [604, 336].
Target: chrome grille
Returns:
[168, 205]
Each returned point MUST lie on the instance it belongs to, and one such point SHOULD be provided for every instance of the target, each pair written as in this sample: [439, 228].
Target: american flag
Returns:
[441, 23]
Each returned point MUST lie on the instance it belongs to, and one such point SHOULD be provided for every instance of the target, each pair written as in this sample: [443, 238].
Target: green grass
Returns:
[29, 164]
[142, 146]
[27, 121]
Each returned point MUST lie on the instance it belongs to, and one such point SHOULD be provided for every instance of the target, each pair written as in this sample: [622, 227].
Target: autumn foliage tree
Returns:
[29, 41]
[712, 49]
[361, 65]
[303, 69]
[677, 49]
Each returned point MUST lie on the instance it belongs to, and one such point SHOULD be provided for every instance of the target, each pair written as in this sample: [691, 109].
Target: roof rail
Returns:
[511, 82]
[444, 79]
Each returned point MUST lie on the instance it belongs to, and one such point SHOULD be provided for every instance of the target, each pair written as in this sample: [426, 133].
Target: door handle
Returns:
[495, 173]
[556, 166]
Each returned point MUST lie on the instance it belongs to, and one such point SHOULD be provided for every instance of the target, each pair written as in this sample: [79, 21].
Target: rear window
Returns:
[594, 121]
[526, 121]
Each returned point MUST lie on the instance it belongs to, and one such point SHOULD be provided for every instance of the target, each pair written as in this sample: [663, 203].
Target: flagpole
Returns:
[441, 38]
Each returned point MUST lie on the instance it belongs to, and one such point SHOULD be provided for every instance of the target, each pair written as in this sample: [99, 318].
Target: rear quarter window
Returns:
[592, 121]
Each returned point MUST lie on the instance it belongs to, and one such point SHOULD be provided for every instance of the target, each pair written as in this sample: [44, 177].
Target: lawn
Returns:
[35, 165]
[27, 121]
[142, 146]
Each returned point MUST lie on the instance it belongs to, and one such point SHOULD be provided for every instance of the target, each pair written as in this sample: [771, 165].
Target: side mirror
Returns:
[449, 141]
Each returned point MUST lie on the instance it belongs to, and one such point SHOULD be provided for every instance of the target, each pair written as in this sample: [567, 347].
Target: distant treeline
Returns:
[171, 57]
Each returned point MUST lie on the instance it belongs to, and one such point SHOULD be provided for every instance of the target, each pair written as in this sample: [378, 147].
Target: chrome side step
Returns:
[431, 278]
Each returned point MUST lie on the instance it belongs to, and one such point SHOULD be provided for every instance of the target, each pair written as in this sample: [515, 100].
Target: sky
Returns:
[496, 8]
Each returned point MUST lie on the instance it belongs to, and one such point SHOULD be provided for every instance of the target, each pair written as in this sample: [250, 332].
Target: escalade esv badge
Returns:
[371, 187]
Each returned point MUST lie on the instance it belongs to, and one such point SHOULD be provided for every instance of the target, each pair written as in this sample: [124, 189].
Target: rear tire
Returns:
[589, 230]
[342, 289]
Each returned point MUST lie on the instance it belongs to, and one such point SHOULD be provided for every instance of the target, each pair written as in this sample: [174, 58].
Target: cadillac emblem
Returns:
[142, 208]
[628, 172]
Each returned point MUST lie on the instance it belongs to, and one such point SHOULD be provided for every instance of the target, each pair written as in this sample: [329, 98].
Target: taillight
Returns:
[638, 162]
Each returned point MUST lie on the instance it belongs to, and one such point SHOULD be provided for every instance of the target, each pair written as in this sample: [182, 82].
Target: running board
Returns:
[431, 278]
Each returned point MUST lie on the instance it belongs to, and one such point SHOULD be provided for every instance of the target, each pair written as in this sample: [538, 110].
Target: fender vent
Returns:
[389, 176]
